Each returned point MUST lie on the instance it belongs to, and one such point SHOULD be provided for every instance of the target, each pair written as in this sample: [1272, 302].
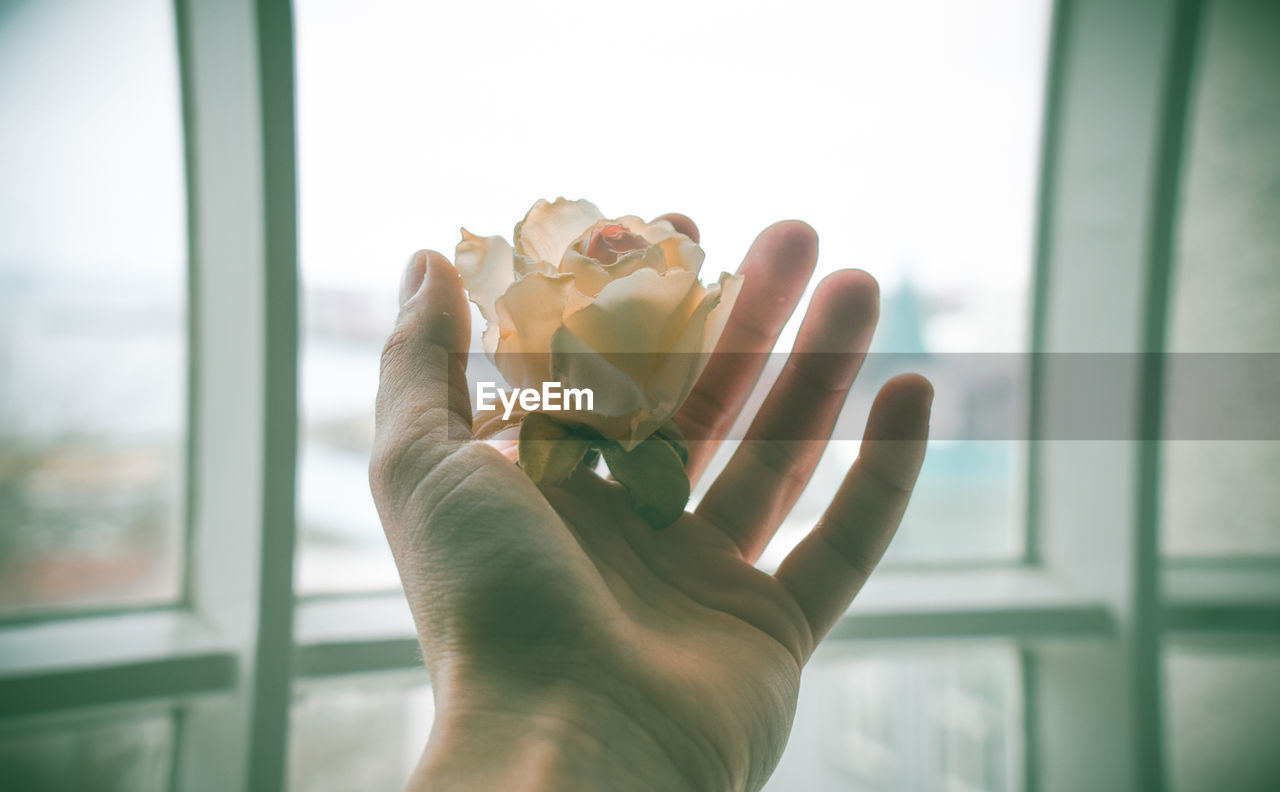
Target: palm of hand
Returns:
[674, 627]
[565, 590]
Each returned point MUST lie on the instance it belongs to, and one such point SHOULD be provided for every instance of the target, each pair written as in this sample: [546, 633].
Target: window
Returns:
[927, 717]
[359, 732]
[1023, 178]
[826, 114]
[1229, 194]
[1217, 720]
[118, 753]
[92, 307]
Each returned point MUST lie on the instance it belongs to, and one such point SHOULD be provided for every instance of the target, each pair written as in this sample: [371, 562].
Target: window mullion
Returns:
[1097, 705]
[237, 79]
[273, 666]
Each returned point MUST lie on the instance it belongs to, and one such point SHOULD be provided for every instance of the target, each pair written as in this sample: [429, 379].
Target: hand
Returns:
[570, 645]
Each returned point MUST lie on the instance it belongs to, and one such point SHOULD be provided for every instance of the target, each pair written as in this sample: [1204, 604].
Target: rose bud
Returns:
[606, 242]
[610, 305]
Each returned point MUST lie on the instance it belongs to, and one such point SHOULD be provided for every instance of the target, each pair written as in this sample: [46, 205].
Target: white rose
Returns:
[611, 305]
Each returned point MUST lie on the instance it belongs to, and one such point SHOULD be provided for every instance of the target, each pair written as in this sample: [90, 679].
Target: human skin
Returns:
[570, 645]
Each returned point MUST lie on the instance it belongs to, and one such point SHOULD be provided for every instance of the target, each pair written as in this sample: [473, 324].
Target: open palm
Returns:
[559, 612]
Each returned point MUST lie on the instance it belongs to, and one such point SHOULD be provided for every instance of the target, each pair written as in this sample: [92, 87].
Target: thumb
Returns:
[433, 306]
[423, 409]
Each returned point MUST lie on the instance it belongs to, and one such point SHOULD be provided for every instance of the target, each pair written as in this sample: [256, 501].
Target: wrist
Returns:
[551, 736]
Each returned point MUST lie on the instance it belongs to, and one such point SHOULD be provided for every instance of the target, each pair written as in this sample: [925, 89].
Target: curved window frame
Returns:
[1089, 608]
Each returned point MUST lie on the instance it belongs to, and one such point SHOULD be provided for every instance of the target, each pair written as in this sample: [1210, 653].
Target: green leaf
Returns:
[653, 473]
[672, 434]
[548, 450]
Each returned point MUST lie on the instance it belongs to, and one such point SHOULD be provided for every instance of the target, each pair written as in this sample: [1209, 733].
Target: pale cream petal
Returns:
[634, 313]
[487, 269]
[635, 318]
[683, 252]
[576, 302]
[527, 266]
[490, 338]
[529, 312]
[651, 257]
[550, 227]
[680, 250]
[593, 276]
[574, 364]
[653, 233]
[589, 274]
[507, 358]
[730, 288]
[674, 379]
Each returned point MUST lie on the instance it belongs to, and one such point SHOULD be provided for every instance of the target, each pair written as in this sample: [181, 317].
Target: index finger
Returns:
[776, 269]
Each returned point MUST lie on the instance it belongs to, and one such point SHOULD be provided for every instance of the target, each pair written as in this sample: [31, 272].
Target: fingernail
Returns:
[414, 274]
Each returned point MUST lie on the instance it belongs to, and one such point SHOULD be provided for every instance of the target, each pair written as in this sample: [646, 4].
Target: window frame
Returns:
[1088, 608]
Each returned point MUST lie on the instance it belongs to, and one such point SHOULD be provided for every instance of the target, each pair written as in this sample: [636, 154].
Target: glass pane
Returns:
[1227, 279]
[92, 305]
[867, 720]
[906, 720]
[1222, 709]
[358, 733]
[906, 133]
[122, 754]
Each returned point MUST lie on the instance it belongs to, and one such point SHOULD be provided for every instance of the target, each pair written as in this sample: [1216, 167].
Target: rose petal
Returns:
[576, 365]
[683, 252]
[527, 266]
[606, 241]
[653, 233]
[680, 250]
[549, 228]
[589, 275]
[687, 357]
[635, 318]
[486, 266]
[592, 276]
[528, 313]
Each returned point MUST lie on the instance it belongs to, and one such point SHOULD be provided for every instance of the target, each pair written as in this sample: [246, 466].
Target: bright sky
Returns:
[907, 133]
[91, 161]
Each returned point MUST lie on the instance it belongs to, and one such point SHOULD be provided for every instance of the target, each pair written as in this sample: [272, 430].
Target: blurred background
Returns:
[204, 211]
